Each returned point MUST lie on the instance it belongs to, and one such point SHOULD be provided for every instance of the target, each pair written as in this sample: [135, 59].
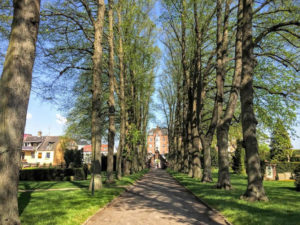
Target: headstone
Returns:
[270, 173]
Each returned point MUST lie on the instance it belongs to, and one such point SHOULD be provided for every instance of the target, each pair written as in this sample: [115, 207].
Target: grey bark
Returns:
[255, 189]
[15, 86]
[96, 182]
[122, 97]
[222, 139]
[111, 101]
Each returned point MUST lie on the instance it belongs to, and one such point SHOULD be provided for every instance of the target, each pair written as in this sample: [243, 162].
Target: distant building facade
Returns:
[87, 152]
[157, 140]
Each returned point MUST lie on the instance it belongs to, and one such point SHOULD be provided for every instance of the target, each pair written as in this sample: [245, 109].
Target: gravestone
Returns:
[270, 173]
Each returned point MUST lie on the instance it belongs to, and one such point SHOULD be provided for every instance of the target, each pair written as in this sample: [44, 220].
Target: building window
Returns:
[40, 155]
[50, 145]
[48, 155]
[32, 155]
[150, 139]
[150, 146]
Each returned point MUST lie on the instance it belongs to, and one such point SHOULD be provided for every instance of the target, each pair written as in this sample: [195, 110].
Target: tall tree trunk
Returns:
[255, 190]
[197, 173]
[234, 93]
[96, 182]
[177, 142]
[122, 97]
[127, 159]
[15, 86]
[207, 176]
[222, 141]
[111, 101]
[186, 85]
[206, 140]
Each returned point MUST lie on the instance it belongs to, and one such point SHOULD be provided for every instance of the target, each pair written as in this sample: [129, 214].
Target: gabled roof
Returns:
[34, 139]
[49, 144]
[44, 143]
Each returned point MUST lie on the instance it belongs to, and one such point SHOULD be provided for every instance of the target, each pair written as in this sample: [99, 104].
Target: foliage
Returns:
[280, 147]
[297, 177]
[238, 165]
[264, 151]
[283, 206]
[73, 157]
[282, 167]
[52, 174]
[214, 157]
[6, 15]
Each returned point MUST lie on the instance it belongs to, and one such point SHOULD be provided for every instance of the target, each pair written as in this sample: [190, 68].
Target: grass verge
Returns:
[69, 207]
[283, 206]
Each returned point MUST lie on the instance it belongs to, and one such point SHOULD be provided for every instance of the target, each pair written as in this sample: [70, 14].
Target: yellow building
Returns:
[43, 150]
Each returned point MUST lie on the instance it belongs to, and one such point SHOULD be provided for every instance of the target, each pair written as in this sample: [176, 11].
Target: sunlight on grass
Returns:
[283, 207]
[66, 207]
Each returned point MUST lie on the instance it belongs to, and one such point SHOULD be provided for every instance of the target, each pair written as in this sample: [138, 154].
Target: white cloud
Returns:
[29, 116]
[60, 119]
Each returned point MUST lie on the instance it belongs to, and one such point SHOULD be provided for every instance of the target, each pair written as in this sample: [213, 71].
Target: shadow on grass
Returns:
[24, 199]
[283, 207]
[80, 184]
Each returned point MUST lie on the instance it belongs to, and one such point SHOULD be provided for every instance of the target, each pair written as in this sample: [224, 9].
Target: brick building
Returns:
[157, 140]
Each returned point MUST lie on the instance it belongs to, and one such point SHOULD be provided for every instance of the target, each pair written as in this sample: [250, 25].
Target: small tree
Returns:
[73, 156]
[238, 164]
[280, 147]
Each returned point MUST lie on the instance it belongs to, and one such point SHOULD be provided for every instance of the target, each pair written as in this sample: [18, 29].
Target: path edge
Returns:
[126, 189]
[200, 200]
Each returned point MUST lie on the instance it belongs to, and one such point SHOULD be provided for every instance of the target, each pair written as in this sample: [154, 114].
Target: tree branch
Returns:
[274, 28]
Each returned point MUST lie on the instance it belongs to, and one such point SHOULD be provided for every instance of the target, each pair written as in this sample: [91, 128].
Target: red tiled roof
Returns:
[88, 148]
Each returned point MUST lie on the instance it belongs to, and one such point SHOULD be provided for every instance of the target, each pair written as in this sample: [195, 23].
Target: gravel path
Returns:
[157, 199]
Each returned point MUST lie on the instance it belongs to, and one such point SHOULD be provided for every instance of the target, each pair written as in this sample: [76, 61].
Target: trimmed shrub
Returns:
[52, 174]
[238, 159]
[283, 167]
[297, 177]
[79, 174]
[74, 158]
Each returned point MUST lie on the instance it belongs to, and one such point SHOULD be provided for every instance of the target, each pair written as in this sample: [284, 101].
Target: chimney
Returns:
[39, 133]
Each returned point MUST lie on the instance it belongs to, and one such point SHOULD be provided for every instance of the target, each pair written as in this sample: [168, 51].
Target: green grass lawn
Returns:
[66, 207]
[283, 207]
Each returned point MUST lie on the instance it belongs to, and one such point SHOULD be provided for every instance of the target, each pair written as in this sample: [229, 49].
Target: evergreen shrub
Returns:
[52, 174]
[297, 177]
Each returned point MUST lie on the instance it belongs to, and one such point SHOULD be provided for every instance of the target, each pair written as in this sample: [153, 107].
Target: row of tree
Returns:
[229, 62]
[98, 58]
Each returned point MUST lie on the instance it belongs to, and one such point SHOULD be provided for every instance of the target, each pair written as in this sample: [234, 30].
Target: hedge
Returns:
[283, 167]
[52, 174]
[297, 177]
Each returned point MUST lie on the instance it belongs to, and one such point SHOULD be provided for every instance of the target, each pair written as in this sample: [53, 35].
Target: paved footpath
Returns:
[156, 199]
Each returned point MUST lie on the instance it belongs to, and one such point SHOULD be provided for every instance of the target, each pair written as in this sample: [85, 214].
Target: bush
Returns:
[297, 177]
[214, 157]
[79, 174]
[52, 174]
[238, 159]
[73, 157]
[283, 167]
